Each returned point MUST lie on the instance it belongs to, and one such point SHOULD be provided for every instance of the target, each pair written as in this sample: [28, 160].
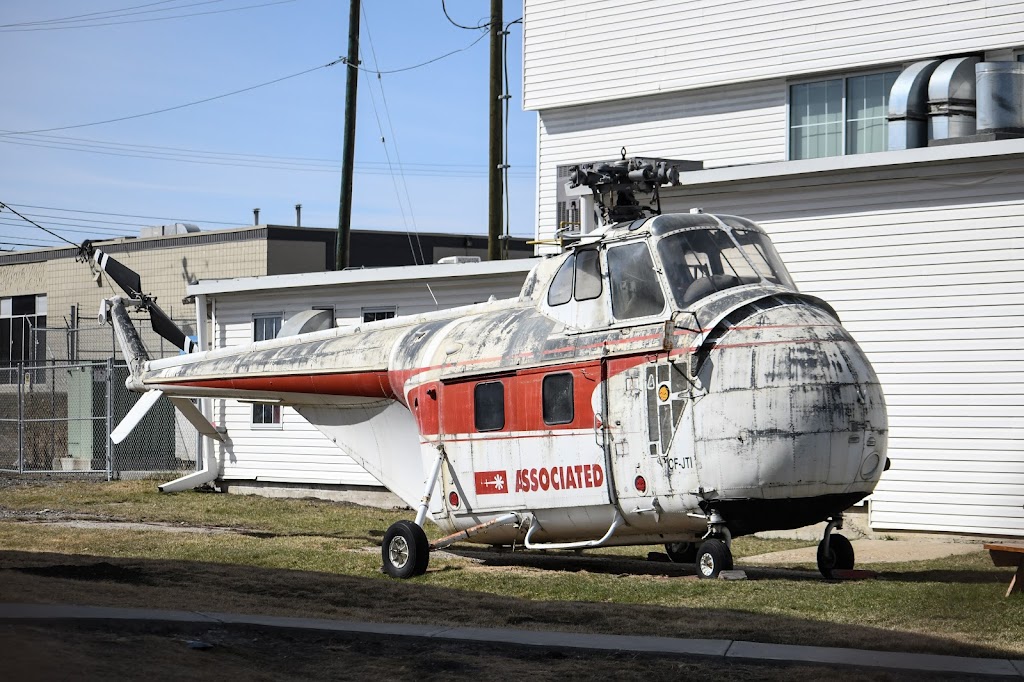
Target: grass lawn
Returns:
[308, 557]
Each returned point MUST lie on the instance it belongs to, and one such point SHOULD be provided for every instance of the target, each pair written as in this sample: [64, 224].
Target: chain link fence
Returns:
[57, 417]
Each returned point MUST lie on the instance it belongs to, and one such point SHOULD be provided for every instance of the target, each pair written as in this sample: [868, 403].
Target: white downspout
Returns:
[208, 468]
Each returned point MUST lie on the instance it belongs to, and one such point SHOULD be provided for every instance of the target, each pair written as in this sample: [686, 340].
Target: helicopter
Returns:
[660, 381]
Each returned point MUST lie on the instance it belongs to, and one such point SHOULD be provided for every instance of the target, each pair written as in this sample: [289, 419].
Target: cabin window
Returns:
[561, 286]
[558, 399]
[635, 288]
[845, 115]
[265, 327]
[489, 406]
[588, 275]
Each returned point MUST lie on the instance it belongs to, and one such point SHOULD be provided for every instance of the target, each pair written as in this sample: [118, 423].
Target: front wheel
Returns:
[405, 550]
[713, 557]
[839, 556]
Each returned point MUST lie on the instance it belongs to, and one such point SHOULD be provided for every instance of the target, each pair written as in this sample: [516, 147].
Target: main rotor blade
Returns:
[123, 276]
[197, 418]
[134, 416]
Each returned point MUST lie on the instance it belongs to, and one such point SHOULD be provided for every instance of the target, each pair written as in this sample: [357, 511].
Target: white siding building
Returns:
[921, 251]
[272, 446]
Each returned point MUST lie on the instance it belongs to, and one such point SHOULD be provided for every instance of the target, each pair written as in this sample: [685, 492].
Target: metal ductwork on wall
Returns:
[908, 106]
[951, 99]
[1001, 98]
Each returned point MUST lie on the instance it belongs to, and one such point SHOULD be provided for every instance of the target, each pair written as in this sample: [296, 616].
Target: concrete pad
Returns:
[1019, 665]
[870, 552]
[892, 660]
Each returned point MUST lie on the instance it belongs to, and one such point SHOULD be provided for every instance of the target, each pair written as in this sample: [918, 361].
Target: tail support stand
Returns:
[428, 491]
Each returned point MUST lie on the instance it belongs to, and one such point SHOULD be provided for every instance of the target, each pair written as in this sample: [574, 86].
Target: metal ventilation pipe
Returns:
[1000, 97]
[298, 215]
[908, 106]
[255, 216]
[951, 100]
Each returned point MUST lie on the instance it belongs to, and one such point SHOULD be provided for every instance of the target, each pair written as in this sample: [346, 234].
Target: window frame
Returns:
[843, 76]
[476, 402]
[665, 293]
[276, 420]
[572, 398]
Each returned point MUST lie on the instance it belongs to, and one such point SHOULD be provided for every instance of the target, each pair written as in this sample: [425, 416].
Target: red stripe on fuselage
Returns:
[374, 384]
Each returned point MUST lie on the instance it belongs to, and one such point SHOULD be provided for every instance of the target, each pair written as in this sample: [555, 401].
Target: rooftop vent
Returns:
[951, 108]
[168, 230]
[1000, 97]
[908, 106]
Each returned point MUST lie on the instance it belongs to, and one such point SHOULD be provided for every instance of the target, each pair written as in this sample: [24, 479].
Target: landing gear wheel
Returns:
[405, 550]
[839, 556]
[713, 557]
[681, 552]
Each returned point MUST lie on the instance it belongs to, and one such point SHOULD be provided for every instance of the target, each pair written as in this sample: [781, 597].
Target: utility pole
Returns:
[494, 155]
[348, 154]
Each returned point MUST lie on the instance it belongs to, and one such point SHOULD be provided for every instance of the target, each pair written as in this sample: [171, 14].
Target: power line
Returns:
[72, 144]
[416, 66]
[141, 21]
[113, 13]
[28, 220]
[130, 215]
[457, 24]
[179, 106]
[211, 159]
[394, 143]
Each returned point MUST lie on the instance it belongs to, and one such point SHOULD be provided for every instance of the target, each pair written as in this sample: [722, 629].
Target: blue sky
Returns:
[67, 76]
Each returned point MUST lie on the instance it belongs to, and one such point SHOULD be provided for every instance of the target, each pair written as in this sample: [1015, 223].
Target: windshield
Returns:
[700, 262]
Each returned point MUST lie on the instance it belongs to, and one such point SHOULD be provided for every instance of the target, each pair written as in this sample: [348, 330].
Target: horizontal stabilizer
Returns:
[197, 418]
[134, 416]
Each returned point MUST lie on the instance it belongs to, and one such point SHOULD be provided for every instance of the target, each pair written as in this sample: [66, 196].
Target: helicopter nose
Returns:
[793, 408]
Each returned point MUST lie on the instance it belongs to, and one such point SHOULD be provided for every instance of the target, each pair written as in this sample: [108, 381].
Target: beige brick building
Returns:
[49, 299]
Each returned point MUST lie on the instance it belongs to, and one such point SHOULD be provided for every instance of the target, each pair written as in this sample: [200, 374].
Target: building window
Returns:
[557, 398]
[845, 115]
[489, 406]
[266, 327]
[23, 329]
[374, 314]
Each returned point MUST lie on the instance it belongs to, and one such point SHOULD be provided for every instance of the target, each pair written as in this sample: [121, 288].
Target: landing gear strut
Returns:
[834, 550]
[714, 555]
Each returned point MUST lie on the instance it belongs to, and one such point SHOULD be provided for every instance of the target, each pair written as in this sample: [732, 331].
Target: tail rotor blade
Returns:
[134, 416]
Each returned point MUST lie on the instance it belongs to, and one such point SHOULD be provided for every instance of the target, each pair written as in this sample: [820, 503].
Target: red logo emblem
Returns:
[491, 482]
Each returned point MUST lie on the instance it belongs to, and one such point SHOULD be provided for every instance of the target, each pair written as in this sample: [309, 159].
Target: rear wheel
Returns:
[713, 557]
[405, 550]
[681, 552]
[839, 556]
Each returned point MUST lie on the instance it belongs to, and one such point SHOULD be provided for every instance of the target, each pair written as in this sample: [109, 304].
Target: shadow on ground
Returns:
[29, 577]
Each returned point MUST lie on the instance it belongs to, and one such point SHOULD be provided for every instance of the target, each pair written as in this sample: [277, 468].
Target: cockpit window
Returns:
[561, 285]
[701, 262]
[588, 275]
[635, 288]
[587, 268]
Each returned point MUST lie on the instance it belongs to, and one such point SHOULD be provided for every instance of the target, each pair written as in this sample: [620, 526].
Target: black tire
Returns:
[405, 550]
[713, 557]
[840, 555]
[681, 552]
